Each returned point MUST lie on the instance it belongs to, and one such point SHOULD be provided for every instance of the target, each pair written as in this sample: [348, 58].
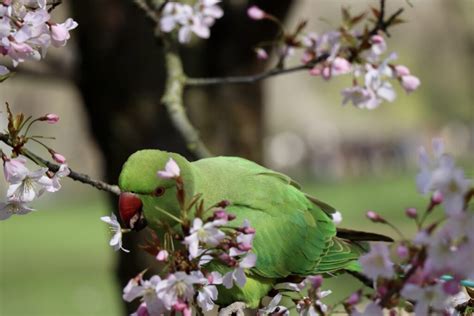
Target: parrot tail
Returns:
[354, 235]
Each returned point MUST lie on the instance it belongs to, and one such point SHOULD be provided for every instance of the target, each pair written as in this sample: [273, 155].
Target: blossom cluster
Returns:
[197, 19]
[426, 274]
[186, 280]
[345, 52]
[26, 31]
[24, 185]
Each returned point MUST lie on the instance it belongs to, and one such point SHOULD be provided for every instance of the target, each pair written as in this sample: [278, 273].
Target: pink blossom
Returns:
[60, 32]
[410, 83]
[255, 13]
[340, 66]
[15, 169]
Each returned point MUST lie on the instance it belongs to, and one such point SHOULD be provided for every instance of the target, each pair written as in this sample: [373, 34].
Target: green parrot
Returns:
[295, 235]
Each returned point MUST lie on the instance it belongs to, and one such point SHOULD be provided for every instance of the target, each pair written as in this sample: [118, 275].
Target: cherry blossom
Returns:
[273, 308]
[62, 172]
[32, 185]
[14, 169]
[195, 19]
[26, 31]
[146, 290]
[171, 170]
[177, 286]
[442, 176]
[377, 262]
[60, 32]
[207, 234]
[207, 294]
[13, 207]
[425, 297]
[238, 275]
[116, 241]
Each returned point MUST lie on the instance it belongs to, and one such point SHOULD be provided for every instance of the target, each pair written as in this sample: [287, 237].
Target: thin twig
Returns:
[150, 13]
[253, 78]
[73, 175]
[173, 101]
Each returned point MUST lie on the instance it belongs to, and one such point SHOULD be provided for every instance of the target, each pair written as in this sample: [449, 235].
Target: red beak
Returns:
[130, 209]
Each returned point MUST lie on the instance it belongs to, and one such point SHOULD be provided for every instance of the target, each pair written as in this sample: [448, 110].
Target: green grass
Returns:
[57, 261]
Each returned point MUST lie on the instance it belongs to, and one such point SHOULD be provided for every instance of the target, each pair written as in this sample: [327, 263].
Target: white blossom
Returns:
[425, 297]
[207, 234]
[116, 241]
[13, 208]
[376, 263]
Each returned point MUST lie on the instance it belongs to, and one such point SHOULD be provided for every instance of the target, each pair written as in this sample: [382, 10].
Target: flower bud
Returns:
[402, 70]
[437, 198]
[221, 214]
[261, 53]
[255, 13]
[377, 39]
[374, 217]
[403, 251]
[50, 118]
[58, 157]
[354, 299]
[411, 212]
[162, 255]
[244, 247]
[316, 281]
[410, 83]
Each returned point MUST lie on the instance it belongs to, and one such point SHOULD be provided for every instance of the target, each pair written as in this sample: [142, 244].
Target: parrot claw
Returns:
[236, 308]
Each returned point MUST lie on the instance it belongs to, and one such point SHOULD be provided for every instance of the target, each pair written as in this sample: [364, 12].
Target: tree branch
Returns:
[54, 168]
[254, 78]
[173, 101]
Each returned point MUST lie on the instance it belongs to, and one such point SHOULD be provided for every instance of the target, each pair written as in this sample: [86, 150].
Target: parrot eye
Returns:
[159, 191]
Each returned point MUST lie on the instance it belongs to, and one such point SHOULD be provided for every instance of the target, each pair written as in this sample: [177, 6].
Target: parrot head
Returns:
[143, 191]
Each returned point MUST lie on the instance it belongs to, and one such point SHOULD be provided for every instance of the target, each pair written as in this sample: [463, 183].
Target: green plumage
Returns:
[294, 237]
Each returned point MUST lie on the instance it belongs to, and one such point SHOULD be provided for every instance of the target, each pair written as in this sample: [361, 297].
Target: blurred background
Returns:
[106, 85]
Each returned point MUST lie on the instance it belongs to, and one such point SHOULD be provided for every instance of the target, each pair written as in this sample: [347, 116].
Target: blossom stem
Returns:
[252, 78]
[169, 214]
